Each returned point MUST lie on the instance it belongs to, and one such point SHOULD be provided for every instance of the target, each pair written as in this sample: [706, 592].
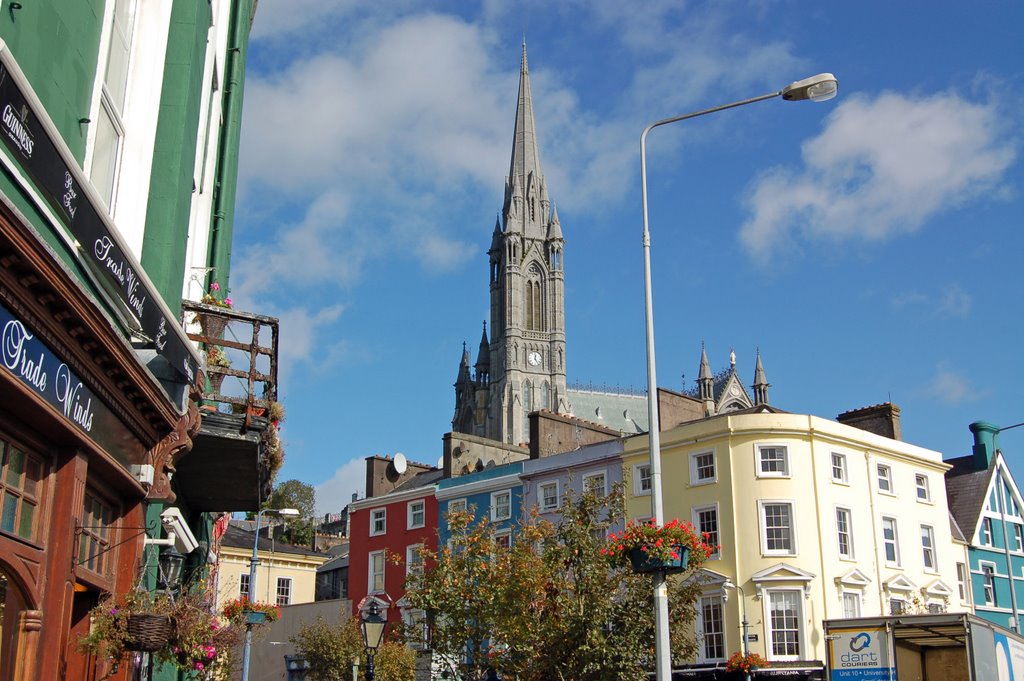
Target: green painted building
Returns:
[119, 123]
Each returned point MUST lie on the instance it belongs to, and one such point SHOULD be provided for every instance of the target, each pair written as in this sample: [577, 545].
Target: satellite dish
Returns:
[440, 462]
[400, 463]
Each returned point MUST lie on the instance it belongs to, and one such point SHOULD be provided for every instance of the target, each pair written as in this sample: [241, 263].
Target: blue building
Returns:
[494, 494]
[986, 504]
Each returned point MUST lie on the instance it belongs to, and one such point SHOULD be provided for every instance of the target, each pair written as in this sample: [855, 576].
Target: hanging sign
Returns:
[34, 364]
[27, 140]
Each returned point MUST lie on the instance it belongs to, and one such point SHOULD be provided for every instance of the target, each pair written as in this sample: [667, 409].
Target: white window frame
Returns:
[1018, 536]
[500, 536]
[801, 637]
[988, 582]
[762, 505]
[929, 551]
[541, 497]
[850, 551]
[372, 572]
[840, 459]
[243, 586]
[412, 512]
[883, 473]
[695, 467]
[846, 597]
[413, 560]
[895, 541]
[985, 533]
[715, 601]
[717, 539]
[378, 515]
[962, 583]
[495, 515]
[921, 485]
[456, 505]
[286, 583]
[639, 477]
[587, 477]
[761, 461]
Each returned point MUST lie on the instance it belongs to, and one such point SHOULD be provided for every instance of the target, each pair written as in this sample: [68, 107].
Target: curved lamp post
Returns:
[817, 88]
[743, 610]
[373, 626]
[253, 562]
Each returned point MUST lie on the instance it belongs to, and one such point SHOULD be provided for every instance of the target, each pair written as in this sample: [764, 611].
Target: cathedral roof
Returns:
[622, 412]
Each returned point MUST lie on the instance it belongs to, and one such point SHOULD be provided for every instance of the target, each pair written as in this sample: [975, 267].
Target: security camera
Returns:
[178, 531]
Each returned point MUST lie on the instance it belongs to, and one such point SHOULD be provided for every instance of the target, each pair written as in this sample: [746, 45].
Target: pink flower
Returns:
[214, 286]
[227, 301]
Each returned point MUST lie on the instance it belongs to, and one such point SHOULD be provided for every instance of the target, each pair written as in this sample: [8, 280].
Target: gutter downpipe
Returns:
[227, 157]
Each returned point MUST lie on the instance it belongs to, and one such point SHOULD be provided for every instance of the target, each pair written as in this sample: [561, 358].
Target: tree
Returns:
[551, 606]
[330, 650]
[298, 495]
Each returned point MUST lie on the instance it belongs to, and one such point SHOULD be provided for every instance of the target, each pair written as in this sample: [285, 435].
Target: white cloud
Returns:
[334, 494]
[882, 167]
[955, 302]
[950, 386]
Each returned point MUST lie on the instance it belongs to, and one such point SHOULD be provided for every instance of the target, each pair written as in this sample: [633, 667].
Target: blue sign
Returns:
[860, 655]
[34, 364]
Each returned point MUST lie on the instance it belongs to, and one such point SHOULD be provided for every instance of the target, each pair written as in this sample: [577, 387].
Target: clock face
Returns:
[534, 359]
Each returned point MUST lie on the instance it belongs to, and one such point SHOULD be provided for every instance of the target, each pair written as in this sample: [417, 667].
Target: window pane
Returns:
[15, 466]
[28, 513]
[785, 623]
[778, 527]
[33, 474]
[10, 511]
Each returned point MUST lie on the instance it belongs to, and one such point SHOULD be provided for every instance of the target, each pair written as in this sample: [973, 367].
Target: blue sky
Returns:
[869, 246]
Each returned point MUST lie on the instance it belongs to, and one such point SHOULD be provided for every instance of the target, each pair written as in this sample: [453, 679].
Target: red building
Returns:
[398, 516]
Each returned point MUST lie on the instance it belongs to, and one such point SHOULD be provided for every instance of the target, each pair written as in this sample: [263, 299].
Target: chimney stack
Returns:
[984, 443]
[880, 419]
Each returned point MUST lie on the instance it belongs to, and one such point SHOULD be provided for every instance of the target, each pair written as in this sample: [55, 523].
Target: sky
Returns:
[869, 246]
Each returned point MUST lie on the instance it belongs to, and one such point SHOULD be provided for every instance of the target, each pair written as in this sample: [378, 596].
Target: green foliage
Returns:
[551, 606]
[330, 651]
[301, 496]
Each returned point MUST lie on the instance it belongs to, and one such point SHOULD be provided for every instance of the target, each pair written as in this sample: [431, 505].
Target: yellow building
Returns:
[816, 520]
[286, 574]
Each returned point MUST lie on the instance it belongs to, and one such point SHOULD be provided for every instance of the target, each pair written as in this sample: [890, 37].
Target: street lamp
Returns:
[817, 88]
[169, 568]
[373, 626]
[743, 610]
[253, 562]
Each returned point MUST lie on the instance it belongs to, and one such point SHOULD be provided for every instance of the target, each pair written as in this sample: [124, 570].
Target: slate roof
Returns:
[421, 479]
[966, 488]
[334, 564]
[624, 413]
[239, 538]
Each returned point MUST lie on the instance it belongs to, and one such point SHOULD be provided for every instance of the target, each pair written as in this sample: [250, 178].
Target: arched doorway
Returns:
[15, 643]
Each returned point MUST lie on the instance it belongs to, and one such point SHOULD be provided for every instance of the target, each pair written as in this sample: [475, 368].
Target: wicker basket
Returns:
[148, 633]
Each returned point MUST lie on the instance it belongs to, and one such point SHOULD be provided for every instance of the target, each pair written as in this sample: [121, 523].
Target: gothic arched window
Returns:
[534, 308]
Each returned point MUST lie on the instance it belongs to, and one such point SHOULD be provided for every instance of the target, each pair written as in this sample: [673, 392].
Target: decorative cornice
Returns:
[164, 456]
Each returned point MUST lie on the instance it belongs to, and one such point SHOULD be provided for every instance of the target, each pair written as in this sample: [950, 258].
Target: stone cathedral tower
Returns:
[522, 367]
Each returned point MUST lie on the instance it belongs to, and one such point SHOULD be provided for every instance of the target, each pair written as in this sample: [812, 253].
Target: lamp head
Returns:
[816, 88]
[373, 626]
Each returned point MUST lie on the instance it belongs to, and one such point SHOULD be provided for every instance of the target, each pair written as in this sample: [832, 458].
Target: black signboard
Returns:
[33, 363]
[26, 138]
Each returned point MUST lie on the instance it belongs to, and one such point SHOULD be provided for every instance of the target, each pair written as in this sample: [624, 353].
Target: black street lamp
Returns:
[373, 626]
[169, 568]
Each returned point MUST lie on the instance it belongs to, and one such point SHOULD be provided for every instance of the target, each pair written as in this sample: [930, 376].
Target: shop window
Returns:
[94, 540]
[21, 477]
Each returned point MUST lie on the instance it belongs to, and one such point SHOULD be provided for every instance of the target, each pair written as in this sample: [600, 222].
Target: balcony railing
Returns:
[245, 384]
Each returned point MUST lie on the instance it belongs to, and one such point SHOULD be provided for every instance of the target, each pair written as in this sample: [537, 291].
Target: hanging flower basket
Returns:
[645, 561]
[649, 547]
[213, 326]
[148, 633]
[216, 380]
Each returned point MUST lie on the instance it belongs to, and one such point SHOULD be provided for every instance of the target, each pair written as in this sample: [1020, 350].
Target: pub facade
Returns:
[119, 128]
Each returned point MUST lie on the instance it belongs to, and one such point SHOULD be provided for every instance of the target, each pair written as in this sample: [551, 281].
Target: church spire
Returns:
[706, 383]
[761, 384]
[483, 359]
[524, 174]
